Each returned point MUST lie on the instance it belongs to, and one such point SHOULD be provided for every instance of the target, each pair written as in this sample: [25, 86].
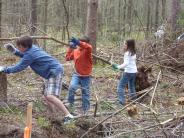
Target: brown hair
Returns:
[131, 46]
[85, 39]
[25, 41]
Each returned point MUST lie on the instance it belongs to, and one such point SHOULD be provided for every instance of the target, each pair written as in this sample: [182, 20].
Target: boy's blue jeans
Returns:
[84, 83]
[127, 78]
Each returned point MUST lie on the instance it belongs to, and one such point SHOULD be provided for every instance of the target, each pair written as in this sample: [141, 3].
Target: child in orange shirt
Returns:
[82, 57]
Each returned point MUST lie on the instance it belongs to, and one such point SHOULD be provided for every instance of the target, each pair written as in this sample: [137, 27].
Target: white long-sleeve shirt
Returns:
[129, 64]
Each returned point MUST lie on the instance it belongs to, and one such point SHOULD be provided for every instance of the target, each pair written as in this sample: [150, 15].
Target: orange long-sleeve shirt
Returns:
[82, 57]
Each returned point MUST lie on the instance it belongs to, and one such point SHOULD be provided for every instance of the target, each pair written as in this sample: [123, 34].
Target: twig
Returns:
[92, 115]
[161, 126]
[171, 57]
[116, 112]
[158, 77]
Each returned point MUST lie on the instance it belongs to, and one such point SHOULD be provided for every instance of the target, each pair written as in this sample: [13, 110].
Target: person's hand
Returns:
[10, 47]
[1, 69]
[72, 45]
[115, 66]
[75, 41]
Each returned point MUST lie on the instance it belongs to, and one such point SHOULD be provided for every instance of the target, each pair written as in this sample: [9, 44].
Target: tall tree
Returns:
[148, 17]
[0, 17]
[45, 20]
[124, 18]
[91, 26]
[156, 14]
[129, 14]
[163, 9]
[119, 17]
[175, 8]
[0, 14]
[33, 16]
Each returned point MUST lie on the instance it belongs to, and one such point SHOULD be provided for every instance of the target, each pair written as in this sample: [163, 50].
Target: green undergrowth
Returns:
[105, 105]
[10, 109]
[43, 122]
[39, 106]
[101, 70]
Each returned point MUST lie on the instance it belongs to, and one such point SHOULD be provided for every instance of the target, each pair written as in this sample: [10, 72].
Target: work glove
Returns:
[10, 47]
[75, 41]
[115, 66]
[72, 45]
[1, 69]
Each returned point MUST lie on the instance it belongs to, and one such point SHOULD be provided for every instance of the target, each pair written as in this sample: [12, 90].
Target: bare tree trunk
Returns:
[156, 14]
[3, 87]
[163, 9]
[33, 16]
[148, 18]
[91, 26]
[0, 17]
[129, 15]
[83, 14]
[124, 18]
[119, 18]
[175, 8]
[45, 20]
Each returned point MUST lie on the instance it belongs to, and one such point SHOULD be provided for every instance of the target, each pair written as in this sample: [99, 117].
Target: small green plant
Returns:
[70, 126]
[9, 109]
[43, 122]
[164, 86]
[70, 129]
[105, 105]
[39, 106]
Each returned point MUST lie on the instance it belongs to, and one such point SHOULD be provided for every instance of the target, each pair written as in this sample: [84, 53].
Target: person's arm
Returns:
[126, 61]
[11, 48]
[85, 45]
[18, 53]
[21, 65]
[69, 54]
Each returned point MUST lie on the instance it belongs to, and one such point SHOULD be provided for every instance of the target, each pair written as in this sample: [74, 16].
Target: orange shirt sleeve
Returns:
[86, 46]
[69, 54]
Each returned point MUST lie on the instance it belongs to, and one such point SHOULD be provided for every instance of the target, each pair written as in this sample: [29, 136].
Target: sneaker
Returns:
[121, 103]
[85, 113]
[68, 120]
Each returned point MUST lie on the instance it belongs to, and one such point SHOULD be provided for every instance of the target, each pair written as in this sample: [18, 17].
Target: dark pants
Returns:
[127, 78]
[84, 82]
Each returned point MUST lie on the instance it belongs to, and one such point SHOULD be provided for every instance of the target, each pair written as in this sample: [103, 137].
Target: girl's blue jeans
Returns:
[83, 83]
[127, 78]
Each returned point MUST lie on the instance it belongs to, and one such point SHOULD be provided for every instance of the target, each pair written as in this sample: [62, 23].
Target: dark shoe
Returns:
[121, 103]
[133, 98]
[68, 120]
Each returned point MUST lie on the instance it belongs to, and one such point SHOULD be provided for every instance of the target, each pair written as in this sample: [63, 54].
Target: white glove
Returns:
[1, 69]
[10, 47]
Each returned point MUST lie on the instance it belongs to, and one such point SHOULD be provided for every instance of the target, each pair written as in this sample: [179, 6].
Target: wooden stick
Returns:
[53, 39]
[96, 104]
[158, 77]
[27, 132]
[29, 117]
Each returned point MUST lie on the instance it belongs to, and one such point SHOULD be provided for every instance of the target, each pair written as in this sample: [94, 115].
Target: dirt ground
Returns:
[26, 87]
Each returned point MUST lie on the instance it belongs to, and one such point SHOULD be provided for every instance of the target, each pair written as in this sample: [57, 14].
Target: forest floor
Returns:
[157, 113]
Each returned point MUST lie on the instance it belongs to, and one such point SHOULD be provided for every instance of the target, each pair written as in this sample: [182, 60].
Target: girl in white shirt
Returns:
[130, 70]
